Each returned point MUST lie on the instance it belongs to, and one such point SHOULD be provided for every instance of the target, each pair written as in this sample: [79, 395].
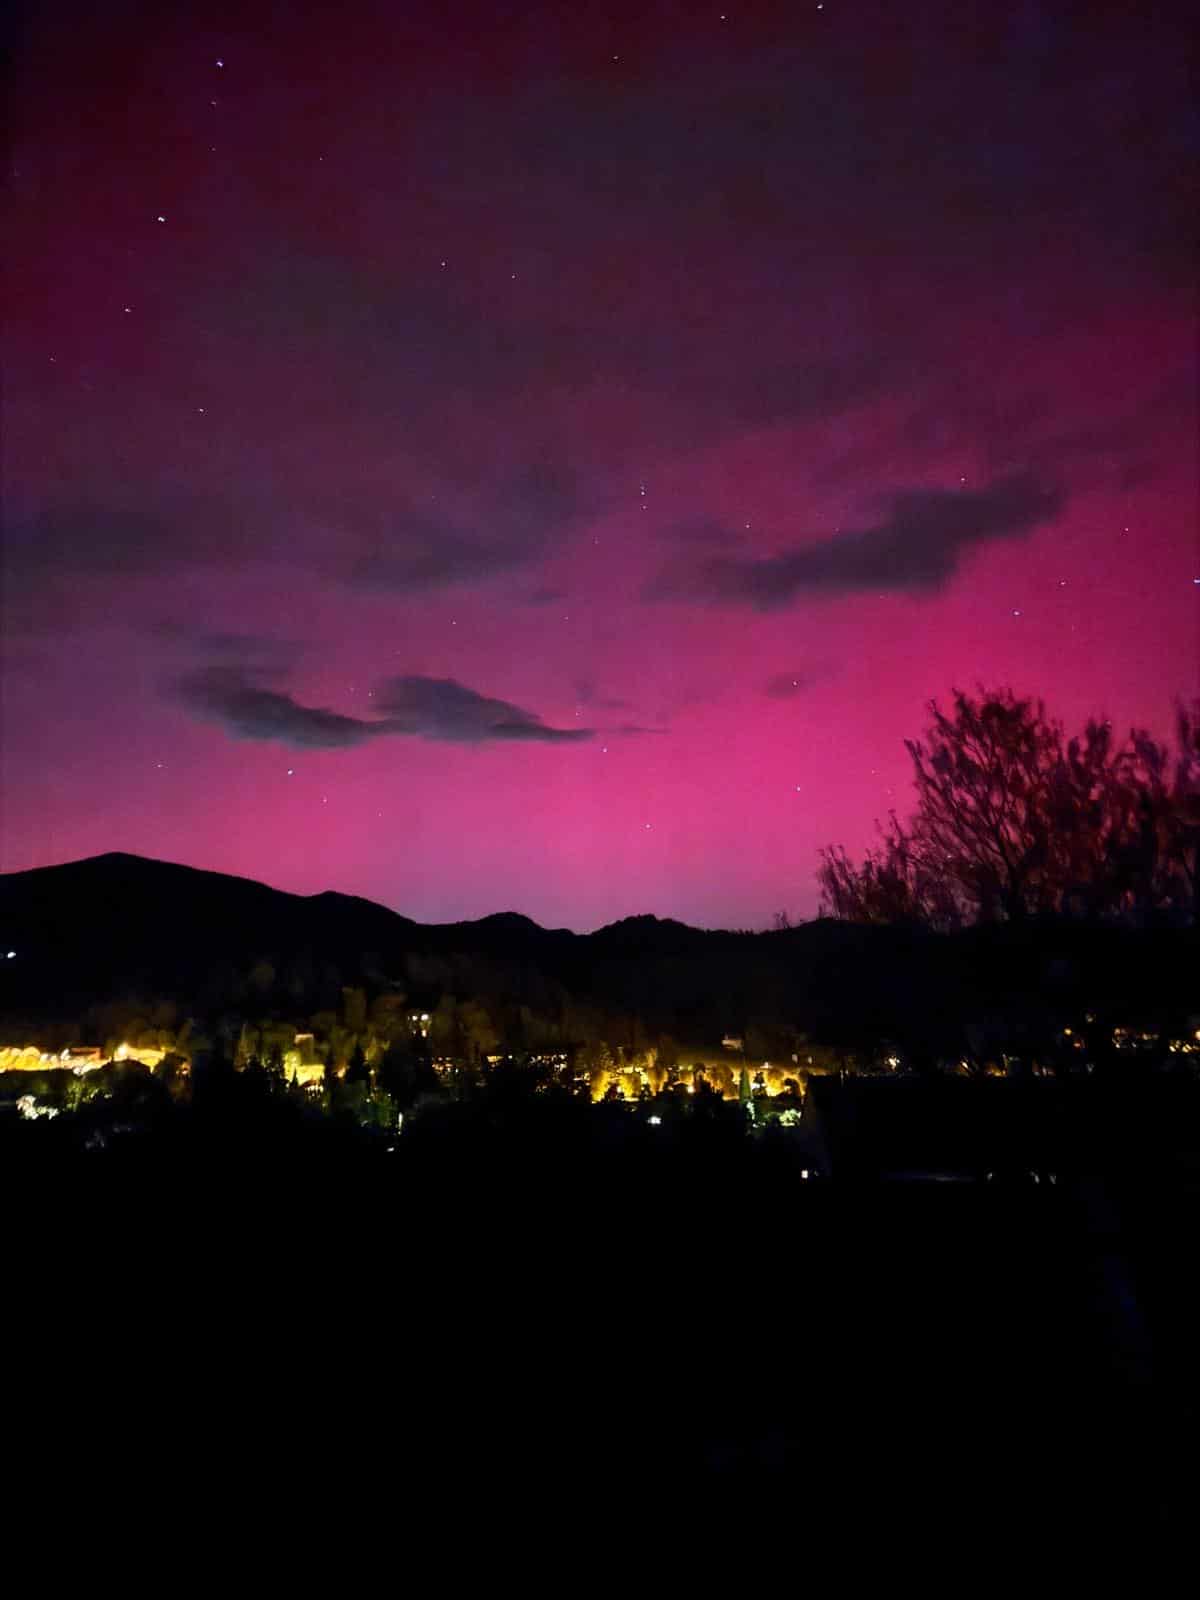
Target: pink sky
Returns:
[727, 303]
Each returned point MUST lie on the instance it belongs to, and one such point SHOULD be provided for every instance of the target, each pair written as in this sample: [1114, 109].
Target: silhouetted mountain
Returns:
[648, 932]
[116, 926]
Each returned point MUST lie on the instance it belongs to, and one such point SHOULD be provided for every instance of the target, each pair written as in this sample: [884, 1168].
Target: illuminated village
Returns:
[314, 1061]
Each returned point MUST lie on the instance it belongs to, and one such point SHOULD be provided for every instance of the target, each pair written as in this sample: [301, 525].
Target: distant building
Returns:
[301, 1064]
[76, 1058]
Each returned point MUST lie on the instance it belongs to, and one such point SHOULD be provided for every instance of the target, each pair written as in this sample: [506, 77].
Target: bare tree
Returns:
[1012, 820]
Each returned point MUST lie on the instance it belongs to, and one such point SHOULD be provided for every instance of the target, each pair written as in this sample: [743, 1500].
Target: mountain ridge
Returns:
[130, 860]
[85, 933]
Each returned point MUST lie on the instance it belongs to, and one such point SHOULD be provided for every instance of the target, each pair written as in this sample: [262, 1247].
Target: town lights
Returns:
[28, 1108]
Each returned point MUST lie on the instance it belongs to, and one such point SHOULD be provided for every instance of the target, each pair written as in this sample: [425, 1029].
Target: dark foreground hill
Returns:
[656, 1338]
[675, 1339]
[119, 926]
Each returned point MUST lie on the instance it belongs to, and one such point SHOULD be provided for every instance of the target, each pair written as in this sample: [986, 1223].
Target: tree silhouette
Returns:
[357, 1070]
[1012, 820]
[405, 1072]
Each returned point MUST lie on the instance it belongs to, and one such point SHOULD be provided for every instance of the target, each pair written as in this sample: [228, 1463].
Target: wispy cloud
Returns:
[917, 548]
[417, 707]
[231, 697]
[441, 708]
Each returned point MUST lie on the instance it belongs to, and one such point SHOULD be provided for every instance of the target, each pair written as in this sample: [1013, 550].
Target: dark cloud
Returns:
[409, 342]
[470, 522]
[1120, 447]
[423, 708]
[492, 530]
[104, 540]
[247, 710]
[108, 539]
[508, 523]
[70, 564]
[413, 346]
[917, 549]
[440, 708]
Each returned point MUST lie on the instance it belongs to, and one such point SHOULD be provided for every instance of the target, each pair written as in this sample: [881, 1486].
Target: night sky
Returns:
[545, 457]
